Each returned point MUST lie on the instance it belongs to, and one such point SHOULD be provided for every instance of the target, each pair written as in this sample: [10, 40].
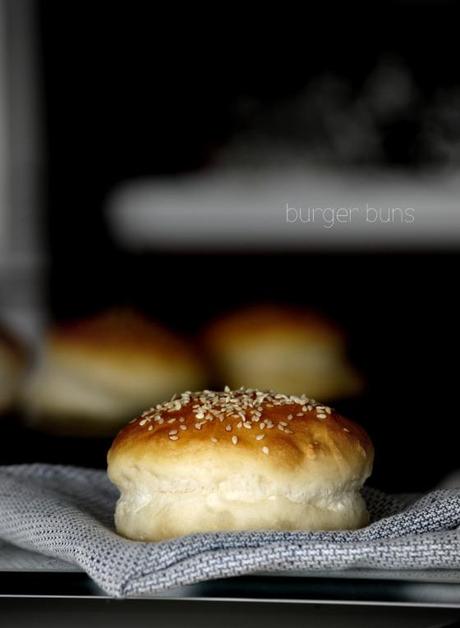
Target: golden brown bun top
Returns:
[120, 335]
[243, 430]
[255, 322]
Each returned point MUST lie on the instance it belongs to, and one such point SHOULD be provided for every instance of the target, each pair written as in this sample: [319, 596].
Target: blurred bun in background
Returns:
[95, 373]
[280, 348]
[13, 362]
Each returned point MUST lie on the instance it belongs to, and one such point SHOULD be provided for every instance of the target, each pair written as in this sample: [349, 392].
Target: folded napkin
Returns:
[67, 513]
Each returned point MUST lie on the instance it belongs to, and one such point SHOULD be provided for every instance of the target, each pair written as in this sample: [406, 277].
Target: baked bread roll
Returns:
[277, 348]
[238, 460]
[12, 368]
[96, 373]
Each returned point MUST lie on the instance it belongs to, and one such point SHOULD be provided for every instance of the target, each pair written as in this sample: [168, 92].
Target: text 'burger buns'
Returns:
[281, 348]
[95, 373]
[238, 460]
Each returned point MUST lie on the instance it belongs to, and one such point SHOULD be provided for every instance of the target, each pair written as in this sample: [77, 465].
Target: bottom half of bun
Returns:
[73, 402]
[147, 516]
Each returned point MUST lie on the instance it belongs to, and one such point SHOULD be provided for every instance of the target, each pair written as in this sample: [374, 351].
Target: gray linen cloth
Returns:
[67, 513]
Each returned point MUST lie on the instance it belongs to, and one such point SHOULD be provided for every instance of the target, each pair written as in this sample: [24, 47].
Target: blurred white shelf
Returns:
[237, 209]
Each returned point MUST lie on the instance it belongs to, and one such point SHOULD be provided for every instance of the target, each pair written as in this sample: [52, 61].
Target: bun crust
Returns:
[266, 319]
[238, 460]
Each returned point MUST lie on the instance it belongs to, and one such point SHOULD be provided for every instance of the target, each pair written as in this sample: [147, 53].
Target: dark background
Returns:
[132, 90]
